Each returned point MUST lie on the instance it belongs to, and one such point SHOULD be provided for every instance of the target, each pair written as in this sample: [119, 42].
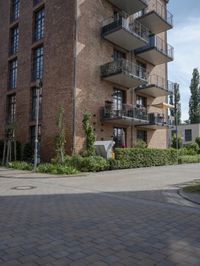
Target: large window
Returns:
[188, 135]
[38, 63]
[34, 102]
[13, 74]
[14, 40]
[142, 135]
[119, 99]
[39, 25]
[119, 137]
[11, 109]
[15, 7]
[141, 101]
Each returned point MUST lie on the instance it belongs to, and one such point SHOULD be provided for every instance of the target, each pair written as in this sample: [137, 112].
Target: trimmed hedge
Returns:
[135, 158]
[189, 159]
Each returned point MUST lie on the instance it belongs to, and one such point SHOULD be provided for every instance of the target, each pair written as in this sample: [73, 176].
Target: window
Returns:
[15, 5]
[39, 25]
[119, 137]
[36, 2]
[14, 40]
[118, 99]
[38, 63]
[118, 55]
[11, 108]
[33, 104]
[13, 74]
[188, 135]
[141, 101]
[142, 135]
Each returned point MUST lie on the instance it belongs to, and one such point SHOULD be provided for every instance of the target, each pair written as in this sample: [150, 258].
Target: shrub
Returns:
[174, 142]
[21, 166]
[141, 144]
[134, 158]
[197, 140]
[189, 159]
[89, 134]
[89, 164]
[59, 169]
[189, 149]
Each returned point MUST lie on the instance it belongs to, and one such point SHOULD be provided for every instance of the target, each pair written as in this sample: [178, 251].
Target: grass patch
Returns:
[192, 188]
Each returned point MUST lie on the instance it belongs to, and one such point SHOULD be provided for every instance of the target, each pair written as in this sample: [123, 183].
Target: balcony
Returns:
[156, 87]
[130, 6]
[124, 73]
[157, 52]
[125, 115]
[156, 17]
[125, 33]
[155, 121]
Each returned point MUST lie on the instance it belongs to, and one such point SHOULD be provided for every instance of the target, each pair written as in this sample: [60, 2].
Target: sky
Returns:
[185, 37]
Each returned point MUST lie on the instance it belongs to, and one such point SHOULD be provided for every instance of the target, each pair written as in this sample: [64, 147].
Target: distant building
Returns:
[188, 132]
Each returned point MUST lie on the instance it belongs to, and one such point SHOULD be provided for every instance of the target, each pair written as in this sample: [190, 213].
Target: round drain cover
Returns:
[23, 187]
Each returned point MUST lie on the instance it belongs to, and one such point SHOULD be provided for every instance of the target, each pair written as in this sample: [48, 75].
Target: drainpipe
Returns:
[75, 37]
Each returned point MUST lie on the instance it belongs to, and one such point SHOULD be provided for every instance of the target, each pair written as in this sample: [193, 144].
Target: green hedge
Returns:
[189, 159]
[135, 158]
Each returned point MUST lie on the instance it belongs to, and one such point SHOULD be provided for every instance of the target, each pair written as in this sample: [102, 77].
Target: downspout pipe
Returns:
[75, 37]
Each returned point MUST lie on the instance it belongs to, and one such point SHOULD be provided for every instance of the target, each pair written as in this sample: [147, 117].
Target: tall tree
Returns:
[174, 99]
[194, 104]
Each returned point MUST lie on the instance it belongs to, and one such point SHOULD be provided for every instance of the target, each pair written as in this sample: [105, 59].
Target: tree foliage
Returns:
[60, 139]
[194, 103]
[174, 99]
[89, 134]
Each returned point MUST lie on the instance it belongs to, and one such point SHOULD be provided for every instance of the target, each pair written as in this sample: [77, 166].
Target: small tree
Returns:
[60, 139]
[89, 134]
[176, 142]
[174, 99]
[194, 104]
[197, 140]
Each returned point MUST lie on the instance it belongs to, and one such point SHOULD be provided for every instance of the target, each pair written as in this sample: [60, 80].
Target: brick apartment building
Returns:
[107, 57]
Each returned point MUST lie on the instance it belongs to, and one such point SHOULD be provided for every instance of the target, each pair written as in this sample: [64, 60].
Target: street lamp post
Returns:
[37, 111]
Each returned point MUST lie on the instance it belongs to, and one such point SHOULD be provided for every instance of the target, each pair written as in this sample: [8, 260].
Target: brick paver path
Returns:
[131, 217]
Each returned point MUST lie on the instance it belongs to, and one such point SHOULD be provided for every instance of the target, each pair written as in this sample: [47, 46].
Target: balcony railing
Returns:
[123, 66]
[162, 46]
[132, 26]
[161, 82]
[124, 112]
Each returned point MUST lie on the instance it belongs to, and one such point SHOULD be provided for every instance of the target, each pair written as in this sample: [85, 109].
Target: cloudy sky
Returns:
[185, 37]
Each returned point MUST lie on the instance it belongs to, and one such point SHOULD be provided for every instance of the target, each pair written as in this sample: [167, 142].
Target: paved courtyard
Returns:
[130, 217]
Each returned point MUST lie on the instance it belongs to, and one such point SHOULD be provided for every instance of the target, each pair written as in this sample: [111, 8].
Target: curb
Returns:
[189, 196]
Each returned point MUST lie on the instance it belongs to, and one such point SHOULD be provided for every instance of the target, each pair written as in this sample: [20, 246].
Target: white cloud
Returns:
[186, 40]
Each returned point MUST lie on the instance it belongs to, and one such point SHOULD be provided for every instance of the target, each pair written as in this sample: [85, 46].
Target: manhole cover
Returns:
[23, 187]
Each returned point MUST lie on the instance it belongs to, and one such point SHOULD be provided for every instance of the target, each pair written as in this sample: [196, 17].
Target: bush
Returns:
[174, 142]
[89, 164]
[135, 158]
[189, 149]
[141, 144]
[197, 140]
[21, 166]
[189, 159]
[59, 169]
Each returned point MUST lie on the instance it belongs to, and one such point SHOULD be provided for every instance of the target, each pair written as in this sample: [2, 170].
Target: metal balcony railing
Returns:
[121, 65]
[160, 82]
[162, 46]
[160, 9]
[157, 119]
[125, 111]
[132, 26]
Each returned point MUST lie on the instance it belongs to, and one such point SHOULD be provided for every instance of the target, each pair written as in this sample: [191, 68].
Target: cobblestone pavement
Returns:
[130, 217]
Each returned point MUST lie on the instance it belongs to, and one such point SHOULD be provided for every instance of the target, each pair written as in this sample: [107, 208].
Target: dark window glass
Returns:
[188, 135]
[11, 109]
[118, 55]
[15, 9]
[14, 40]
[118, 99]
[35, 2]
[142, 135]
[34, 101]
[119, 137]
[39, 25]
[13, 75]
[141, 101]
[38, 63]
